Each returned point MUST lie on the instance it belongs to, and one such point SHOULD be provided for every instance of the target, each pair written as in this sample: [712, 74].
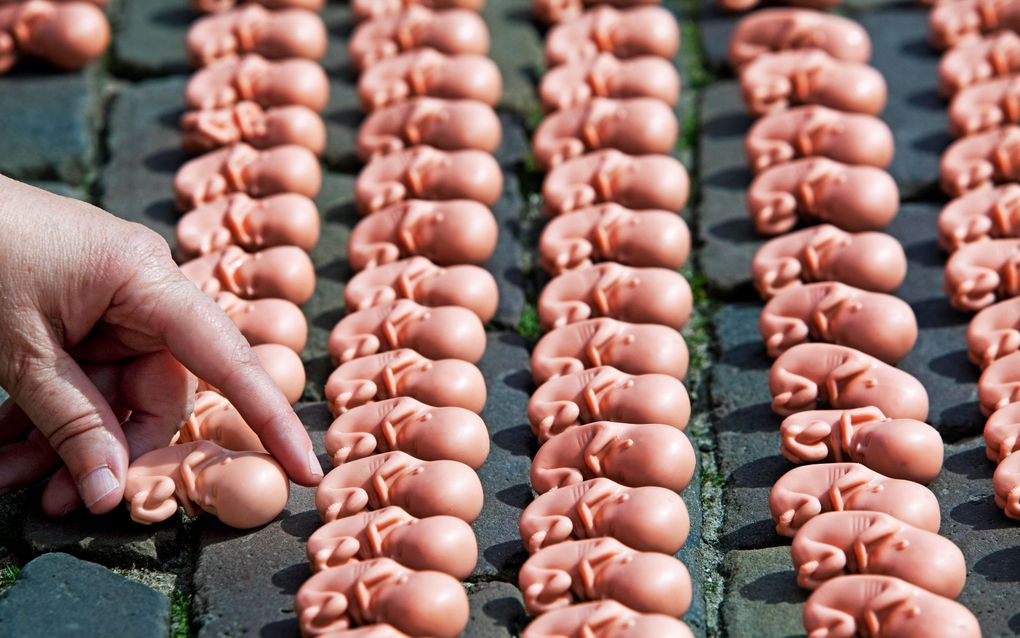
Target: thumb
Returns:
[68, 409]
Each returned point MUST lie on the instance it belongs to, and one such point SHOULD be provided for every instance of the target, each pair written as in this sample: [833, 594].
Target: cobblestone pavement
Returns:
[109, 136]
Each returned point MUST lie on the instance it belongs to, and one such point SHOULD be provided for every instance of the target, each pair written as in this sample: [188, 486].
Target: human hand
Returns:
[96, 317]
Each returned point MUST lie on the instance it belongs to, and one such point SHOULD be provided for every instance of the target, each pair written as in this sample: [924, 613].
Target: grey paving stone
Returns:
[691, 556]
[729, 241]
[497, 611]
[326, 307]
[762, 597]
[112, 539]
[144, 143]
[149, 39]
[506, 263]
[516, 47]
[245, 581]
[342, 114]
[60, 188]
[48, 122]
[59, 595]
[516, 143]
[505, 473]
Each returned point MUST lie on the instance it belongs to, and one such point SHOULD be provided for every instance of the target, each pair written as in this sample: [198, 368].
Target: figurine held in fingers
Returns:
[422, 488]
[635, 455]
[216, 420]
[407, 425]
[898, 448]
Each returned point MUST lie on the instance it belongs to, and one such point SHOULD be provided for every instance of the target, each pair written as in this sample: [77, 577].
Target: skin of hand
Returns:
[96, 318]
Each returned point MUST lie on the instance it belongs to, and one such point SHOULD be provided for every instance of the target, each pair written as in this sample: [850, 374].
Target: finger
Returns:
[14, 423]
[27, 461]
[201, 336]
[60, 496]
[64, 404]
[160, 393]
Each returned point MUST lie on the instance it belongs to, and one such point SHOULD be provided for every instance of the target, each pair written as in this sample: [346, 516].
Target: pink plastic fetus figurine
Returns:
[648, 519]
[408, 425]
[448, 125]
[210, 129]
[812, 130]
[834, 544]
[449, 31]
[844, 378]
[978, 275]
[553, 11]
[606, 394]
[422, 488]
[981, 160]
[806, 491]
[287, 219]
[985, 106]
[634, 181]
[1006, 482]
[772, 30]
[873, 322]
[253, 78]
[266, 321]
[604, 568]
[885, 606]
[994, 332]
[1002, 433]
[404, 372]
[381, 590]
[745, 5]
[636, 126]
[775, 81]
[870, 261]
[465, 76]
[635, 455]
[375, 630]
[448, 232]
[285, 33]
[633, 348]
[625, 33]
[282, 365]
[444, 332]
[610, 232]
[638, 295]
[216, 419]
[605, 619]
[605, 75]
[987, 213]
[219, 6]
[284, 272]
[423, 172]
[67, 35]
[372, 9]
[439, 543]
[242, 489]
[952, 23]
[239, 168]
[999, 384]
[898, 448]
[418, 279]
[978, 60]
[854, 198]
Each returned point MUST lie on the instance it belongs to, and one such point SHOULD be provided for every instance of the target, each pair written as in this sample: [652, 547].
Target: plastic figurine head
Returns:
[872, 260]
[466, 286]
[68, 35]
[264, 321]
[242, 489]
[648, 398]
[285, 368]
[440, 123]
[456, 231]
[654, 295]
[652, 181]
[650, 582]
[437, 488]
[645, 347]
[607, 617]
[653, 238]
[282, 271]
[449, 329]
[900, 448]
[287, 219]
[437, 540]
[650, 517]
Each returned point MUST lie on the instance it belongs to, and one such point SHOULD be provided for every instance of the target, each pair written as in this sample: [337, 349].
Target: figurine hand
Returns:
[82, 287]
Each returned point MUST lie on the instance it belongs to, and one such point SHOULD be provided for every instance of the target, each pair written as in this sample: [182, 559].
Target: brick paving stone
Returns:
[58, 595]
[48, 122]
[144, 143]
[342, 114]
[505, 473]
[762, 597]
[149, 39]
[691, 556]
[60, 188]
[507, 262]
[497, 611]
[245, 581]
[516, 47]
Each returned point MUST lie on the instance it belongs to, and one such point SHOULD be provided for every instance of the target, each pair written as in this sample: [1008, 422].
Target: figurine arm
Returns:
[598, 446]
[850, 481]
[877, 531]
[155, 501]
[802, 443]
[853, 366]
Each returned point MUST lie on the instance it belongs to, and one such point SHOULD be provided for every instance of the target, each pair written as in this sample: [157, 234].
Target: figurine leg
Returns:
[354, 346]
[555, 416]
[995, 345]
[796, 509]
[827, 562]
[976, 289]
[1002, 394]
[827, 622]
[782, 274]
[154, 500]
[805, 443]
[374, 255]
[326, 613]
[547, 530]
[764, 153]
[352, 393]
[377, 296]
[1012, 506]
[552, 367]
[550, 478]
[342, 501]
[796, 393]
[344, 551]
[351, 446]
[546, 589]
[561, 313]
[782, 333]
[774, 214]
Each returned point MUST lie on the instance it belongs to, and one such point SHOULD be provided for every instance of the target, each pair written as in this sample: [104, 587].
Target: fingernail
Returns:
[96, 485]
[313, 464]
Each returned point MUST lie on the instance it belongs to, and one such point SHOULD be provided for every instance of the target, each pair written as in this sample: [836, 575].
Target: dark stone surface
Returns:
[762, 597]
[48, 122]
[60, 188]
[505, 473]
[691, 556]
[144, 143]
[497, 611]
[58, 595]
[507, 262]
[149, 40]
[342, 114]
[245, 581]
[516, 47]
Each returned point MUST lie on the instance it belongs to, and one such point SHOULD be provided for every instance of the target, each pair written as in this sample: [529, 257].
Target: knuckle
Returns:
[68, 431]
